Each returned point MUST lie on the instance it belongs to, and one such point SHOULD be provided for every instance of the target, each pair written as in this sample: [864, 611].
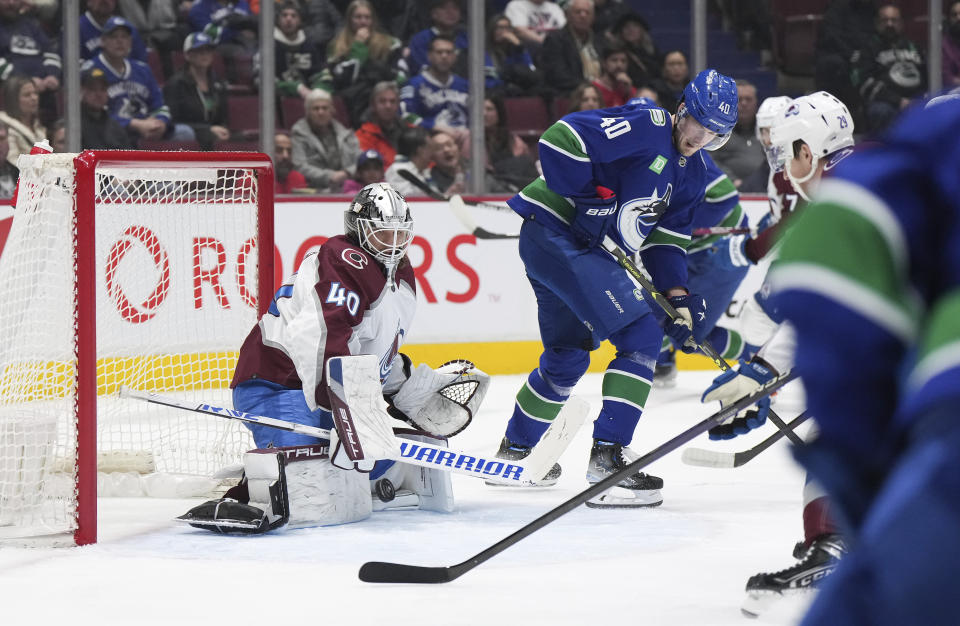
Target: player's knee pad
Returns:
[405, 486]
[561, 368]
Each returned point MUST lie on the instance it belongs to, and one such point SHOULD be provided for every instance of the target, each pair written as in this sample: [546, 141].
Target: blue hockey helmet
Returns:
[711, 99]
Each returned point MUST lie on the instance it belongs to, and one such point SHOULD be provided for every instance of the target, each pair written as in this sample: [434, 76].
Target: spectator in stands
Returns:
[648, 92]
[643, 58]
[21, 115]
[607, 13]
[230, 24]
[891, 70]
[450, 174]
[98, 130]
[614, 84]
[743, 154]
[437, 98]
[299, 60]
[569, 56]
[324, 150]
[843, 36]
[508, 156]
[57, 135]
[674, 76]
[361, 55]
[322, 19]
[584, 97]
[449, 170]
[445, 17]
[369, 171]
[951, 47]
[156, 21]
[136, 101]
[509, 66]
[196, 96]
[26, 50]
[288, 178]
[414, 155]
[91, 27]
[9, 174]
[535, 19]
[382, 125]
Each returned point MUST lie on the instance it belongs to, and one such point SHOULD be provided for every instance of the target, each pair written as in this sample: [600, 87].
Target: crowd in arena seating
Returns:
[366, 88]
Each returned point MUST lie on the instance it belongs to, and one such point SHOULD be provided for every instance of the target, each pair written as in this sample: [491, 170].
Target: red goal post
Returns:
[136, 268]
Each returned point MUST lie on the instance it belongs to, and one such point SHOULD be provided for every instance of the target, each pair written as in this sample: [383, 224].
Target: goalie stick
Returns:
[459, 207]
[610, 246]
[715, 458]
[525, 472]
[380, 572]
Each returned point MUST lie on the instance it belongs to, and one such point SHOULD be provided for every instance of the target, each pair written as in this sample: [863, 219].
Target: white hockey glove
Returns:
[442, 401]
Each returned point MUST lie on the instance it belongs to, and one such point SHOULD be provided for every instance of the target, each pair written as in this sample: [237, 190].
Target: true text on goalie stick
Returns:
[411, 452]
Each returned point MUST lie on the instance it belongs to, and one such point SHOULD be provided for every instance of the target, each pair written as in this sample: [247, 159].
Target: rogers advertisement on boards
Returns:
[469, 289]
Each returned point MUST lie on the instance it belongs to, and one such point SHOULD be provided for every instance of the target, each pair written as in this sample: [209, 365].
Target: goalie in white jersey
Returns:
[355, 295]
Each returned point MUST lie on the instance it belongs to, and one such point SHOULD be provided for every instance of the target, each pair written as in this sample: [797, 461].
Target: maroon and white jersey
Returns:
[784, 202]
[337, 304]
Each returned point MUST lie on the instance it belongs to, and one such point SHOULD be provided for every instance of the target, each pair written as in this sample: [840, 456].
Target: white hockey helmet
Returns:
[819, 120]
[378, 219]
[769, 110]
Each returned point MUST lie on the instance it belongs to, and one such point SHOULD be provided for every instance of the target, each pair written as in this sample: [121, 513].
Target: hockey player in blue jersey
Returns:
[870, 277]
[627, 177]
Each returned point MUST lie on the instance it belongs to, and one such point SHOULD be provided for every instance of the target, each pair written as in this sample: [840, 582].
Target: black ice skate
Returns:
[514, 452]
[635, 490]
[816, 563]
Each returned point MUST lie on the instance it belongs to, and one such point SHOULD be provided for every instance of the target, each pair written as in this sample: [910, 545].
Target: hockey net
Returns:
[124, 268]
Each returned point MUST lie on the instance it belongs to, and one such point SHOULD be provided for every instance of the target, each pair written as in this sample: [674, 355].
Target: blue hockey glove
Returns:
[594, 217]
[735, 384]
[688, 330]
[732, 252]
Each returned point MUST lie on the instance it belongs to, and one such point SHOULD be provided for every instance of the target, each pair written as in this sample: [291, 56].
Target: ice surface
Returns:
[685, 562]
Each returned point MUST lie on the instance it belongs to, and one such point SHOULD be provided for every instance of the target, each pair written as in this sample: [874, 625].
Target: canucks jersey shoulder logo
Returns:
[638, 216]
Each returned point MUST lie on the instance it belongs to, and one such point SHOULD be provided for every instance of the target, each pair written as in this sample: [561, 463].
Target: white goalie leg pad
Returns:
[411, 486]
[319, 493]
[441, 402]
[432, 485]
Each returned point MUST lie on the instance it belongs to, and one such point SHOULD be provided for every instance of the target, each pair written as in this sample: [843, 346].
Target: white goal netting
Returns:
[175, 257]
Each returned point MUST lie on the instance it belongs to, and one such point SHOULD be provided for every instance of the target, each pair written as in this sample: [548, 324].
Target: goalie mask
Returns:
[379, 221]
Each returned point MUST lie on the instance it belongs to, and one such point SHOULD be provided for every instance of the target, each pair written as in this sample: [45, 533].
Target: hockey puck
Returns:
[385, 490]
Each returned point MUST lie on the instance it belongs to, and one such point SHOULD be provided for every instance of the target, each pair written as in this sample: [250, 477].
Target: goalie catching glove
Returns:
[439, 401]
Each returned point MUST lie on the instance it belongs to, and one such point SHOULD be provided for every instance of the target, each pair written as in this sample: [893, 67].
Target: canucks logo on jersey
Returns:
[639, 215]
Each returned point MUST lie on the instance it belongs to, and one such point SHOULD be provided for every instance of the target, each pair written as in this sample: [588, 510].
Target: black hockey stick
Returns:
[458, 206]
[708, 349]
[715, 458]
[380, 572]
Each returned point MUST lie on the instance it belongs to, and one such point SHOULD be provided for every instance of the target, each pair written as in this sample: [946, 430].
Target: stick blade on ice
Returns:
[380, 572]
[707, 458]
